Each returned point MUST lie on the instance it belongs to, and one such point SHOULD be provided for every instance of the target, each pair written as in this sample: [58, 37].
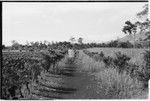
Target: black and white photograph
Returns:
[75, 50]
[85, 0]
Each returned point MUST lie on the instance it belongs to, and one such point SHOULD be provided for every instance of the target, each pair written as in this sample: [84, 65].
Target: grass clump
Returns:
[113, 85]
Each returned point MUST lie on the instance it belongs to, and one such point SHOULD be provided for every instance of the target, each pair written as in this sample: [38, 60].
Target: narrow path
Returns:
[71, 83]
[78, 79]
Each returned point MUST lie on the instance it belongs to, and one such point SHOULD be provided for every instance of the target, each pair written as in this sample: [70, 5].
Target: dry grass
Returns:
[118, 86]
[110, 83]
[135, 54]
[88, 64]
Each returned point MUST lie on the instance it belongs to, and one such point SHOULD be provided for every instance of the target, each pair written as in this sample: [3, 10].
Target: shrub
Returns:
[121, 61]
[144, 72]
[46, 62]
[108, 61]
[101, 54]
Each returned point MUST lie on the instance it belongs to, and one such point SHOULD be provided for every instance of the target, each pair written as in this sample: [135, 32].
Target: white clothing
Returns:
[70, 53]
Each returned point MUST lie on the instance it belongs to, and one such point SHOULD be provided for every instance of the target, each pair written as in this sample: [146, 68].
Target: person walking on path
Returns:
[71, 54]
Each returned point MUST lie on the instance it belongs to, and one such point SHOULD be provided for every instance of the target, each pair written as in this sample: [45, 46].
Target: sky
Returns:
[39, 21]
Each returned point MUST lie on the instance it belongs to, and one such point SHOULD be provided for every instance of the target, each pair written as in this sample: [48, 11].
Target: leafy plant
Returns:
[121, 61]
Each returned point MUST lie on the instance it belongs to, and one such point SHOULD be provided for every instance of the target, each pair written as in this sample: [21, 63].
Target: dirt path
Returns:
[71, 83]
[76, 80]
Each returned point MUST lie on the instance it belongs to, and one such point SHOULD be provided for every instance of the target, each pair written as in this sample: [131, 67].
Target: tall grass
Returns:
[114, 85]
[135, 54]
[87, 64]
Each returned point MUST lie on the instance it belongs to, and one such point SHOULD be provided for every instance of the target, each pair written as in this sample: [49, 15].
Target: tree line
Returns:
[65, 45]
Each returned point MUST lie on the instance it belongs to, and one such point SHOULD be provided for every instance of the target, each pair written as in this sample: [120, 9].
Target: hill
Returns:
[138, 37]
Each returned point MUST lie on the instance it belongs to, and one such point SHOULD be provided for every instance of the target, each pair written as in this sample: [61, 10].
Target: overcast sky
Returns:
[95, 22]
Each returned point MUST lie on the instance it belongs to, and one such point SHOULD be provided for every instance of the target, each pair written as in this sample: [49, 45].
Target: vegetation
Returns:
[144, 71]
[118, 76]
[118, 86]
[112, 70]
[115, 75]
[20, 69]
[110, 83]
[143, 25]
[122, 64]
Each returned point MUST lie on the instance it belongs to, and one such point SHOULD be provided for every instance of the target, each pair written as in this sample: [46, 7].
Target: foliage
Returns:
[110, 83]
[125, 45]
[144, 72]
[144, 12]
[121, 61]
[143, 25]
[129, 28]
[15, 44]
[21, 68]
[17, 71]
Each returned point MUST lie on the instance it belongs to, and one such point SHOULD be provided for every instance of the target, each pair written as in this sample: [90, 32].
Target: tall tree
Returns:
[145, 25]
[130, 28]
[15, 44]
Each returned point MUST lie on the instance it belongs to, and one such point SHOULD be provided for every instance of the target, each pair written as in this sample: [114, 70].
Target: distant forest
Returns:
[65, 45]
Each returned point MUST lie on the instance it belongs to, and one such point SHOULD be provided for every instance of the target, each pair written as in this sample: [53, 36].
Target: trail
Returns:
[71, 83]
[78, 79]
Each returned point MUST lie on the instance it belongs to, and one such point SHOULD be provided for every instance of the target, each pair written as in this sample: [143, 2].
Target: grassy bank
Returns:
[110, 84]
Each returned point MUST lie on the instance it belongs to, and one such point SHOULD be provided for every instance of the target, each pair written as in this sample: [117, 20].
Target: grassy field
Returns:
[82, 78]
[111, 84]
[135, 54]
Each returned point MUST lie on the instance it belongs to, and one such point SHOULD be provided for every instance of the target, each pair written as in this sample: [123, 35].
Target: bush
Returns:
[101, 54]
[125, 45]
[121, 61]
[108, 61]
[144, 72]
[17, 72]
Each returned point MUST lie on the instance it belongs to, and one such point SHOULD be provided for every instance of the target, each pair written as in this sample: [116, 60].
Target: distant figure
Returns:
[71, 53]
